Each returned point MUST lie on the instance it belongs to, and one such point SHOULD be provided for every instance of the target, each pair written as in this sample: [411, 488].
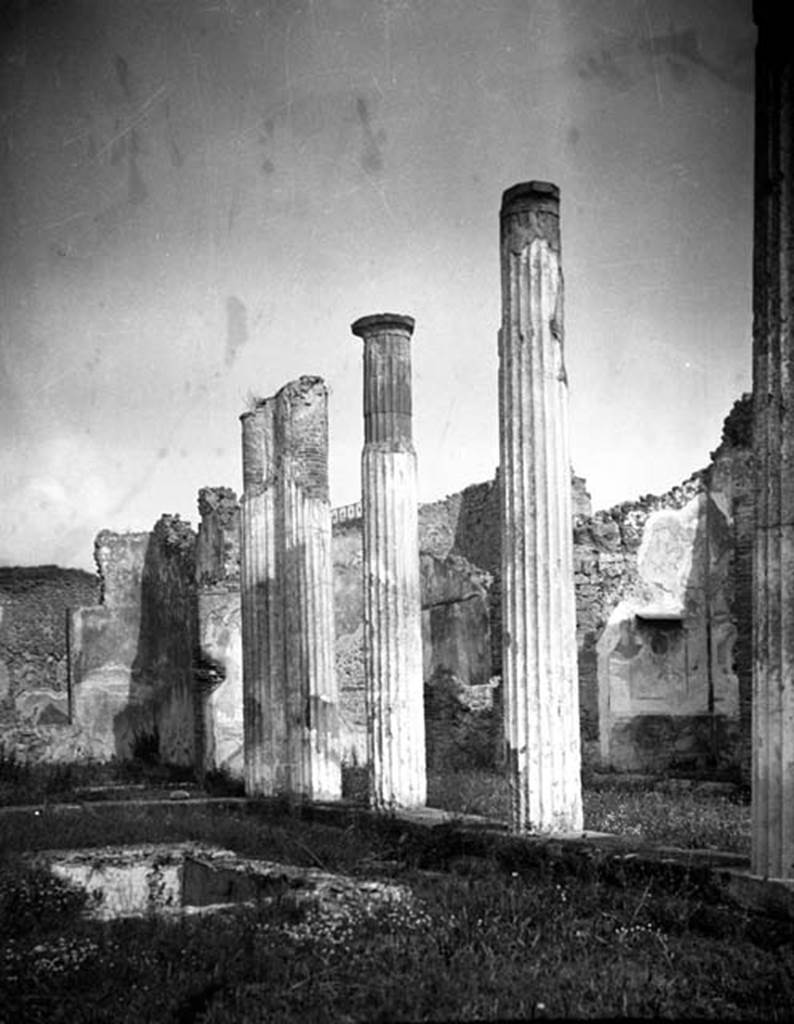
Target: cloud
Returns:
[57, 498]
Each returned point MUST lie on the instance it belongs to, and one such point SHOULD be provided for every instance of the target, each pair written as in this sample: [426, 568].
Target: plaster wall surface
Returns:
[131, 655]
[220, 642]
[218, 676]
[668, 688]
[34, 604]
[129, 672]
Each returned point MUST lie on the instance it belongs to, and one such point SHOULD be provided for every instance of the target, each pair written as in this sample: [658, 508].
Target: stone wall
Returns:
[104, 648]
[132, 655]
[34, 663]
[663, 630]
[664, 621]
[455, 597]
[163, 667]
[107, 670]
[605, 576]
[347, 555]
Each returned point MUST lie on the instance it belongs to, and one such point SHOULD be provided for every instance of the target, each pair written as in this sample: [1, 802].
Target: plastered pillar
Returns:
[539, 678]
[307, 588]
[392, 610]
[773, 441]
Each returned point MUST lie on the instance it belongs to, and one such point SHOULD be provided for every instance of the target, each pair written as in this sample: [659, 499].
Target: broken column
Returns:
[773, 443]
[306, 582]
[392, 611]
[289, 679]
[266, 762]
[539, 678]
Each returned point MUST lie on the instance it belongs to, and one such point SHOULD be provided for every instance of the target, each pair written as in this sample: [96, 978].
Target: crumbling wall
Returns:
[347, 555]
[34, 690]
[103, 648]
[664, 618]
[462, 728]
[132, 655]
[605, 574]
[663, 594]
[456, 643]
[468, 524]
[163, 666]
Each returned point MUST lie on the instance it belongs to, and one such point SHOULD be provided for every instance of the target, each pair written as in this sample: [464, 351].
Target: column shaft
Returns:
[392, 609]
[264, 697]
[772, 852]
[540, 686]
[312, 700]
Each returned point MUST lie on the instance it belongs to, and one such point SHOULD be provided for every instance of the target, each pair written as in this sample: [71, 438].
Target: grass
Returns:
[485, 933]
[23, 782]
[511, 934]
[687, 818]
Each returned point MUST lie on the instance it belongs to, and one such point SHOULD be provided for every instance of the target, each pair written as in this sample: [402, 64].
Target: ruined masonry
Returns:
[663, 592]
[392, 609]
[773, 444]
[290, 702]
[540, 690]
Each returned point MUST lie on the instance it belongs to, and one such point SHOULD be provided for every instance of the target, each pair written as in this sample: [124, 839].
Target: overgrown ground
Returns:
[692, 818]
[512, 934]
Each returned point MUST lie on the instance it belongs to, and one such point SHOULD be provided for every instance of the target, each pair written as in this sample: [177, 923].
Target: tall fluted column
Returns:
[773, 441]
[307, 588]
[264, 695]
[392, 610]
[539, 679]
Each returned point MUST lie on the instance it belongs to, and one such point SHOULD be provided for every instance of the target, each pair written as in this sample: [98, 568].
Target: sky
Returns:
[198, 197]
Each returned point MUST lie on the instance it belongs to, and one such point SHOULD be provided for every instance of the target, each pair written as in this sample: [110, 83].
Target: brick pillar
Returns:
[392, 610]
[773, 444]
[540, 688]
[264, 694]
[306, 584]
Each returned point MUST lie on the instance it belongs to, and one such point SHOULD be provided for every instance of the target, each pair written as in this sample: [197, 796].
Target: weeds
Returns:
[686, 819]
[528, 941]
[23, 782]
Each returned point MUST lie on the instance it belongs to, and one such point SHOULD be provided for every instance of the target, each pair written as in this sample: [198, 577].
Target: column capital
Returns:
[531, 195]
[383, 323]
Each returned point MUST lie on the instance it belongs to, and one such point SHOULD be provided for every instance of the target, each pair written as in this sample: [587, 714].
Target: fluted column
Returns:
[392, 610]
[264, 694]
[773, 413]
[307, 588]
[539, 680]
